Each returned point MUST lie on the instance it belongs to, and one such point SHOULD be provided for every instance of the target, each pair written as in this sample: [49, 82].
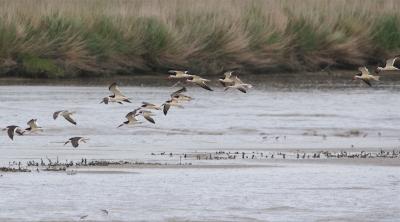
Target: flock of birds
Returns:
[367, 77]
[177, 98]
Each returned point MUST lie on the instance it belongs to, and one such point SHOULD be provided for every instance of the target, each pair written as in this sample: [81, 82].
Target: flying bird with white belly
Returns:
[131, 117]
[239, 85]
[389, 65]
[146, 105]
[365, 76]
[179, 96]
[199, 81]
[147, 114]
[33, 126]
[176, 74]
[116, 97]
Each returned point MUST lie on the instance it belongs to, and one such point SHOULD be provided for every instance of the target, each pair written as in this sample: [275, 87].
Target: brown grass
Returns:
[56, 38]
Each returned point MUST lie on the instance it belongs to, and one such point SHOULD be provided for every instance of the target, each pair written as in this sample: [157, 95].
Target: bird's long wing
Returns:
[204, 86]
[166, 108]
[364, 71]
[179, 91]
[32, 123]
[148, 104]
[69, 119]
[11, 131]
[148, 118]
[367, 82]
[115, 90]
[241, 89]
[56, 114]
[390, 62]
[133, 113]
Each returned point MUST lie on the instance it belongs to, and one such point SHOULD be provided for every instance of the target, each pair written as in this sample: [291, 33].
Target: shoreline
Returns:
[130, 168]
[214, 160]
[331, 79]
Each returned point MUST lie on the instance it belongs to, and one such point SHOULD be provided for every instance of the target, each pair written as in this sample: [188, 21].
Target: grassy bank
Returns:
[67, 38]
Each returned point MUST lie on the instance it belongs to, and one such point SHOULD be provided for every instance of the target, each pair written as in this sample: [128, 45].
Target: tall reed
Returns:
[58, 38]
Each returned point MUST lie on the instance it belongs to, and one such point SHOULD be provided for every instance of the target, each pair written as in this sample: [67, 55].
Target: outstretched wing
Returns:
[133, 113]
[179, 91]
[56, 114]
[241, 89]
[115, 90]
[390, 62]
[166, 108]
[367, 82]
[32, 123]
[363, 70]
[69, 119]
[147, 104]
[11, 131]
[204, 86]
[148, 118]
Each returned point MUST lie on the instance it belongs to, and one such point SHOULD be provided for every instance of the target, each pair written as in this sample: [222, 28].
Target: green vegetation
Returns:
[69, 38]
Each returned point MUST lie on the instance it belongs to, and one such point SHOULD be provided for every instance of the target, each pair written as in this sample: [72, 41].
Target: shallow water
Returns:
[218, 120]
[267, 118]
[298, 192]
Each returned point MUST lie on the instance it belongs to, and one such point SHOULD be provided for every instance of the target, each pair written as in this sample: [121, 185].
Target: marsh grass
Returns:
[66, 38]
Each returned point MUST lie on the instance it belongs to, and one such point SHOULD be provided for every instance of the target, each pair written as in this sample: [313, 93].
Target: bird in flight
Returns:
[12, 130]
[75, 141]
[66, 114]
[116, 97]
[365, 76]
[389, 65]
[199, 81]
[33, 126]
